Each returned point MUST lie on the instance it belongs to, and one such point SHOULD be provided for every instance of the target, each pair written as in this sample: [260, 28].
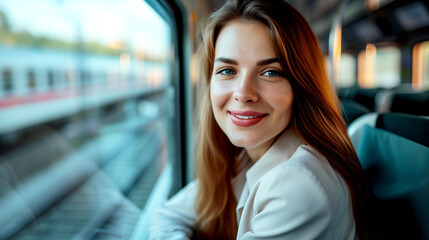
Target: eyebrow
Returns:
[226, 60]
[267, 61]
[259, 63]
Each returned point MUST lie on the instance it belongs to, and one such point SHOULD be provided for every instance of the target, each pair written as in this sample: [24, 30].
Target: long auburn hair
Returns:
[316, 118]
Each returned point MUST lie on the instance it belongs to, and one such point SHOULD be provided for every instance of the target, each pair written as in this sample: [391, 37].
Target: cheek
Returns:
[282, 101]
[219, 95]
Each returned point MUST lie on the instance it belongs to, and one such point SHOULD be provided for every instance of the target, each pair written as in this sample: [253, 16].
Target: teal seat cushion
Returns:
[398, 169]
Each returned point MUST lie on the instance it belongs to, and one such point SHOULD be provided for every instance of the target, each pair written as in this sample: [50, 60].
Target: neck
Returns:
[255, 153]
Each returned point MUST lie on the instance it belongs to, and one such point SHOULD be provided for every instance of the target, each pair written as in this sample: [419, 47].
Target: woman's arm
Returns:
[175, 219]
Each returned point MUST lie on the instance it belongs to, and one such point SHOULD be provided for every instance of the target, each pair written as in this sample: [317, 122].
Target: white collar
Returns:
[282, 149]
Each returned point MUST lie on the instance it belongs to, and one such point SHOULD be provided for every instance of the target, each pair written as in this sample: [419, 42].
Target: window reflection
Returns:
[85, 121]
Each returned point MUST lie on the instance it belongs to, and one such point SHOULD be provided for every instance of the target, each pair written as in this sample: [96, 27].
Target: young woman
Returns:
[273, 157]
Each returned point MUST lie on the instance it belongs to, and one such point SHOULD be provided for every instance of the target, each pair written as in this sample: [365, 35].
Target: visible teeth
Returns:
[245, 117]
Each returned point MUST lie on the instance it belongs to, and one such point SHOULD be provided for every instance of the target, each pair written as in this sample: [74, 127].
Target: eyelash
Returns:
[222, 71]
[277, 73]
[231, 72]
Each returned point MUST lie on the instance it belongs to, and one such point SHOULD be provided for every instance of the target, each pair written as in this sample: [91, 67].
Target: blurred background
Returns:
[97, 97]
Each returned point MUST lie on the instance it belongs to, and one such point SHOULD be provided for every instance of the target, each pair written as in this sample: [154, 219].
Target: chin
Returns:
[243, 142]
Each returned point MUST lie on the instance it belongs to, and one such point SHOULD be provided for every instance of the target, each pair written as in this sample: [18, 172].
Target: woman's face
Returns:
[251, 98]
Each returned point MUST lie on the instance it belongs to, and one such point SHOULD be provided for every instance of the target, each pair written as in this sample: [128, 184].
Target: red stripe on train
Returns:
[10, 101]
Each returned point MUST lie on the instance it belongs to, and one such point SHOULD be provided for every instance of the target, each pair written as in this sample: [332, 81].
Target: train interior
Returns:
[97, 101]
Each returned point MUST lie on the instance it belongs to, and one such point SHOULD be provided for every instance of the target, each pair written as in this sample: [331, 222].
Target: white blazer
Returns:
[291, 192]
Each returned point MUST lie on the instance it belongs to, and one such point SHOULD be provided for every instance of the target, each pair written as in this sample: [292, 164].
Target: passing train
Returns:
[97, 101]
[51, 80]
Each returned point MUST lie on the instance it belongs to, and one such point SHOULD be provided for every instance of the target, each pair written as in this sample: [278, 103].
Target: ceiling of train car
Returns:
[364, 21]
[321, 12]
[307, 7]
[321, 8]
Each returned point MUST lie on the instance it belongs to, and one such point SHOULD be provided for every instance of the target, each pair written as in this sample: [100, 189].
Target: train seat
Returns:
[383, 99]
[354, 130]
[347, 92]
[416, 103]
[415, 128]
[366, 97]
[398, 169]
[352, 110]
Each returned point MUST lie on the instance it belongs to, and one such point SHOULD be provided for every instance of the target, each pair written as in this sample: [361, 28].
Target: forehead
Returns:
[244, 39]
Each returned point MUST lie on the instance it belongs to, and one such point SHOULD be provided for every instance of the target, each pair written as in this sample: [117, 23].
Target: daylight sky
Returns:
[104, 21]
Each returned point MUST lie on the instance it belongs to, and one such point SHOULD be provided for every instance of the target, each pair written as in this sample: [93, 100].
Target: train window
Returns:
[67, 78]
[82, 163]
[112, 77]
[347, 71]
[82, 78]
[379, 67]
[31, 80]
[7, 80]
[85, 77]
[420, 72]
[50, 79]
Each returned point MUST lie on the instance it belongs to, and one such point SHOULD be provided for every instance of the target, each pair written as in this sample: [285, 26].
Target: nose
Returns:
[245, 91]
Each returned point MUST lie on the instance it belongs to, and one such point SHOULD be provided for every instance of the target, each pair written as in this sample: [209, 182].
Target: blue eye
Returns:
[227, 71]
[271, 73]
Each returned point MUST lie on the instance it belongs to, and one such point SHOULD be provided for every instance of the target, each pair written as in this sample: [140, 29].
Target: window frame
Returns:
[178, 172]
[174, 13]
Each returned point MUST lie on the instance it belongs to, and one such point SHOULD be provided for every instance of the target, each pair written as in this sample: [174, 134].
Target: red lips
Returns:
[246, 118]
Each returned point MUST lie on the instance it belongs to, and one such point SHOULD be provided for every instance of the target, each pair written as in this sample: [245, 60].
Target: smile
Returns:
[246, 119]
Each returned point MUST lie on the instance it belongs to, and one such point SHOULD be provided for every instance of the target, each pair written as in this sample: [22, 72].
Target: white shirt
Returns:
[291, 192]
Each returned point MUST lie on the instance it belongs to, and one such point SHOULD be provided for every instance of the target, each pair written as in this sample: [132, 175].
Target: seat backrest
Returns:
[352, 110]
[398, 169]
[366, 97]
[383, 99]
[355, 128]
[415, 128]
[416, 103]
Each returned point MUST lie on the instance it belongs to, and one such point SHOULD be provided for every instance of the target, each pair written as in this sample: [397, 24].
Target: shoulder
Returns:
[290, 200]
[307, 198]
[306, 179]
[296, 180]
[305, 166]
[307, 163]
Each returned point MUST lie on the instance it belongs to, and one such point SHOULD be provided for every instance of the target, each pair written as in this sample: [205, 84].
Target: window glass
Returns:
[420, 74]
[50, 79]
[31, 78]
[7, 80]
[86, 125]
[347, 71]
[379, 67]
